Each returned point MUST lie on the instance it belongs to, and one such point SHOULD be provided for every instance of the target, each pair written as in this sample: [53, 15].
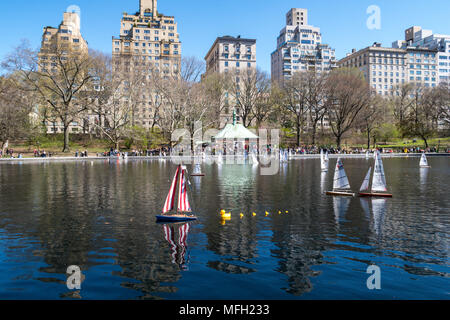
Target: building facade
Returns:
[417, 38]
[230, 54]
[148, 42]
[383, 68]
[65, 39]
[300, 48]
[406, 62]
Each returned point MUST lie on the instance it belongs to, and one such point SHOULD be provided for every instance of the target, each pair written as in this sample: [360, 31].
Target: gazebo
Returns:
[235, 132]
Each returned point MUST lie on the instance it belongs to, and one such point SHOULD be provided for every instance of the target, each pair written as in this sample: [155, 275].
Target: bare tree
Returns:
[371, 117]
[295, 102]
[315, 96]
[59, 75]
[216, 87]
[16, 106]
[422, 116]
[249, 86]
[347, 94]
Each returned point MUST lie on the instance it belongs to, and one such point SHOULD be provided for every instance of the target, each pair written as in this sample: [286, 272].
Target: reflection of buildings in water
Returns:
[340, 206]
[178, 248]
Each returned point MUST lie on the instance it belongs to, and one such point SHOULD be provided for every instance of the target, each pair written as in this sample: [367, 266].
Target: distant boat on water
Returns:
[423, 161]
[379, 187]
[197, 171]
[341, 186]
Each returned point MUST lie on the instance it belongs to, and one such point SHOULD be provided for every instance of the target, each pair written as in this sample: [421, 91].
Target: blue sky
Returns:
[343, 23]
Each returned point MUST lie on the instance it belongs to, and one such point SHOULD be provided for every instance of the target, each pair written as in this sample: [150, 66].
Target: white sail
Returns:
[340, 177]
[423, 161]
[365, 184]
[379, 180]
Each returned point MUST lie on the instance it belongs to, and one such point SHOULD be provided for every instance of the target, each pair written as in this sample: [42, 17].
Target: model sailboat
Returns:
[197, 171]
[379, 187]
[423, 161]
[184, 212]
[341, 186]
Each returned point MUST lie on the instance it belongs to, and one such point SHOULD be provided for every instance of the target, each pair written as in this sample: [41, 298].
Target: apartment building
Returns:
[148, 42]
[65, 39]
[438, 44]
[383, 68]
[300, 48]
[230, 54]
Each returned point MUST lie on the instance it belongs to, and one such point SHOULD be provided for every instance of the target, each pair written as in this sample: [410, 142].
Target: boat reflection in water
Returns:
[423, 178]
[378, 212]
[178, 248]
[340, 205]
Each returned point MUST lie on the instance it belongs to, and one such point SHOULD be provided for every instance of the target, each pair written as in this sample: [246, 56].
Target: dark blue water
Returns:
[100, 216]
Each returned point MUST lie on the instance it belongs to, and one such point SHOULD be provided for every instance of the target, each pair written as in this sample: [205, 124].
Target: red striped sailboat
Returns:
[184, 211]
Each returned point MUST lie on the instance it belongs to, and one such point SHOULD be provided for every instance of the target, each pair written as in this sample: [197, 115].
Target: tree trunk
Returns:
[338, 141]
[66, 139]
[426, 142]
[368, 139]
[314, 133]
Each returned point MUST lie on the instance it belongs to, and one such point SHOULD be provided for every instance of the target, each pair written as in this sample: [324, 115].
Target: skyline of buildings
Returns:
[149, 41]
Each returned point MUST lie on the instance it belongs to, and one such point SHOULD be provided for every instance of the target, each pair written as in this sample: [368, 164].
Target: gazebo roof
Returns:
[235, 131]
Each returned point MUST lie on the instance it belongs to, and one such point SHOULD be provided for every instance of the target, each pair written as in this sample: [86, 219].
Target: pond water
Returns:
[100, 216]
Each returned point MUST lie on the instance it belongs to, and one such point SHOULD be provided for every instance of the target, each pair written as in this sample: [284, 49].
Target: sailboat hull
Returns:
[197, 175]
[340, 193]
[384, 195]
[175, 218]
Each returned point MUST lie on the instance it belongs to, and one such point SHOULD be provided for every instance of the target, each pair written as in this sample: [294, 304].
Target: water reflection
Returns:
[378, 210]
[340, 205]
[178, 248]
[100, 216]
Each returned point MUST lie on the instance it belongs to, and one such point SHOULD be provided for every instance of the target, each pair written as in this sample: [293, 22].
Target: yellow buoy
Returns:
[279, 212]
[267, 213]
[254, 214]
[242, 215]
[287, 211]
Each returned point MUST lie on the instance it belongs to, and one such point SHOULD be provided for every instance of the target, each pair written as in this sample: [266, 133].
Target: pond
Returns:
[291, 242]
